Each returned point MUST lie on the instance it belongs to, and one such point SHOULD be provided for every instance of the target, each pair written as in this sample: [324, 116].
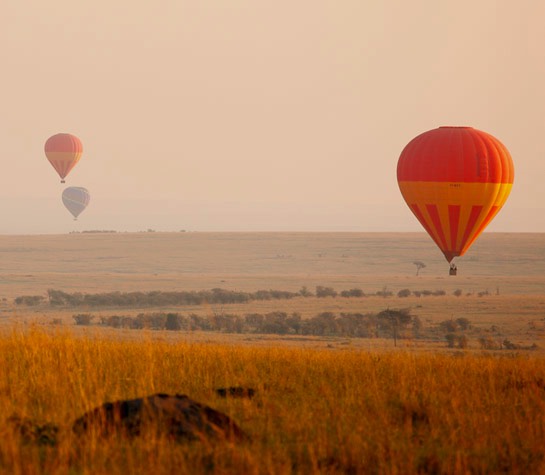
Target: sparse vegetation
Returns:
[404, 293]
[322, 292]
[456, 341]
[83, 319]
[352, 293]
[30, 300]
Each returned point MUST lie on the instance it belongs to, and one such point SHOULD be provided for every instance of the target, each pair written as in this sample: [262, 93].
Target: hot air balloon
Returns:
[63, 152]
[76, 199]
[455, 180]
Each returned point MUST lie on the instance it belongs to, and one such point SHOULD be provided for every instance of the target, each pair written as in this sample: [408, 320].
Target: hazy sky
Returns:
[259, 114]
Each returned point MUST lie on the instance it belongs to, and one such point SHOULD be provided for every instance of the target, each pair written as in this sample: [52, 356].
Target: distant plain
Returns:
[501, 278]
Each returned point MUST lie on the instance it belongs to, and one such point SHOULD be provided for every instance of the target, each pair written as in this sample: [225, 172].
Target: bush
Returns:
[322, 292]
[451, 339]
[384, 293]
[463, 323]
[462, 341]
[30, 300]
[458, 341]
[83, 318]
[457, 292]
[449, 326]
[352, 293]
[173, 322]
[488, 343]
[404, 293]
[304, 292]
[509, 345]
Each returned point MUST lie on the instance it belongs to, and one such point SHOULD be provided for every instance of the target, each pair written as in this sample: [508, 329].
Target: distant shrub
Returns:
[404, 293]
[509, 345]
[488, 343]
[463, 323]
[173, 322]
[456, 341]
[304, 292]
[457, 292]
[417, 326]
[384, 293]
[462, 341]
[352, 293]
[322, 324]
[322, 292]
[449, 326]
[29, 300]
[83, 318]
[454, 325]
[451, 339]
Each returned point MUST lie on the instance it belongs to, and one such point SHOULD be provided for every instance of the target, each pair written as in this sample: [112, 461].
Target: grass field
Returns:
[315, 411]
[323, 404]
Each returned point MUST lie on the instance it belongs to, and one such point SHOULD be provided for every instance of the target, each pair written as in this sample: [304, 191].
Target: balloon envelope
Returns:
[76, 199]
[63, 152]
[455, 180]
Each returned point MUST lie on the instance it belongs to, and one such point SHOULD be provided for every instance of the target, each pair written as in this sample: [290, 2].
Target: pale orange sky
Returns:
[255, 115]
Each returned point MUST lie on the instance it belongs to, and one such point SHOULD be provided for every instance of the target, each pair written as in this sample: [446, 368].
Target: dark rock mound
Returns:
[176, 416]
[236, 391]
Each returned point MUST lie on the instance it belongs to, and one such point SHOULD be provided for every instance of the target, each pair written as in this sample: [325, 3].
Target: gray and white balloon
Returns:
[76, 199]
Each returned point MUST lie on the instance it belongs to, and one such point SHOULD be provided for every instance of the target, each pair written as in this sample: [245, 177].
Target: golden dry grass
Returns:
[316, 411]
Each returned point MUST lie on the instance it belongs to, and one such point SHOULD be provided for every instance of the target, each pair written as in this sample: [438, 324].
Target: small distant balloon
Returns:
[63, 152]
[455, 180]
[76, 199]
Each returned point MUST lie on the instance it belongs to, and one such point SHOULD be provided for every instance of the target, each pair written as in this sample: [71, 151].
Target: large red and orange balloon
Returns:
[455, 180]
[63, 152]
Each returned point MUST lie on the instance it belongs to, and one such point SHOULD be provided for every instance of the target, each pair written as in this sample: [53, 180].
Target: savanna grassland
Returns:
[324, 403]
[315, 411]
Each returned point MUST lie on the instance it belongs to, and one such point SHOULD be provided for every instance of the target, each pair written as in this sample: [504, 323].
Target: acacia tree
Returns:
[394, 320]
[419, 265]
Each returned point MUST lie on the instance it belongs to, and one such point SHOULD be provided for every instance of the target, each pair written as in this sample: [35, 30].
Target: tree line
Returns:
[157, 298]
[388, 323]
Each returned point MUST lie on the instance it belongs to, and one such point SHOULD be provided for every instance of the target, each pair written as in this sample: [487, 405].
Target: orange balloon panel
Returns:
[454, 214]
[63, 152]
[455, 180]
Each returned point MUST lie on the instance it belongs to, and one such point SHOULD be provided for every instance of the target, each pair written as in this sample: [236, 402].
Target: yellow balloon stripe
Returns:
[454, 213]
[63, 162]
